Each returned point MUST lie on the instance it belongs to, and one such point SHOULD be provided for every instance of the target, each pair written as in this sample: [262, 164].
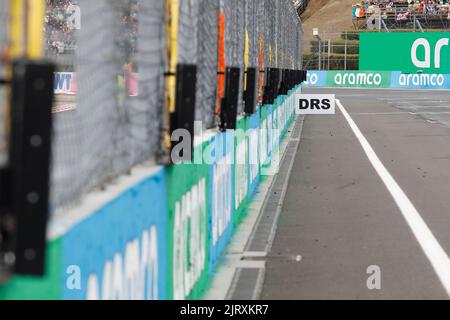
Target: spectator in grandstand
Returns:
[359, 11]
[372, 8]
[420, 7]
[403, 16]
[430, 8]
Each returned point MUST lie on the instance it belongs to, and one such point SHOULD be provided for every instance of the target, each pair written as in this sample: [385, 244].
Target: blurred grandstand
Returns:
[414, 14]
[62, 19]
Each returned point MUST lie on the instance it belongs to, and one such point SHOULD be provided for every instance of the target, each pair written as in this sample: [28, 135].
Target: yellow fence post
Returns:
[16, 28]
[25, 39]
[26, 28]
[172, 20]
[246, 58]
[35, 30]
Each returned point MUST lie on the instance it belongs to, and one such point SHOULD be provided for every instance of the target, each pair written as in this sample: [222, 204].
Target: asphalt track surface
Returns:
[339, 217]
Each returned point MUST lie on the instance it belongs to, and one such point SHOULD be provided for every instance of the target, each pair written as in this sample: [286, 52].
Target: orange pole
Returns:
[222, 63]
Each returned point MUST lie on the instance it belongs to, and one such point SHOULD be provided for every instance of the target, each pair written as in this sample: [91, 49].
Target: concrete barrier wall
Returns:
[163, 236]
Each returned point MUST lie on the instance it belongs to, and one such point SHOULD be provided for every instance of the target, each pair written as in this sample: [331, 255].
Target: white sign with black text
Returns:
[315, 104]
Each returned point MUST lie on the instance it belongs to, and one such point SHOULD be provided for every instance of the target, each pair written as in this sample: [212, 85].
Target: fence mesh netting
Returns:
[4, 9]
[113, 59]
[207, 61]
[107, 117]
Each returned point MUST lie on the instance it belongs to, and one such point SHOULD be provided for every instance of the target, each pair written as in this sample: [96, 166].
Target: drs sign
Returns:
[315, 104]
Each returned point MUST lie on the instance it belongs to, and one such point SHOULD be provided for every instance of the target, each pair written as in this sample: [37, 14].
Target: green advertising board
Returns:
[37, 288]
[188, 195]
[408, 52]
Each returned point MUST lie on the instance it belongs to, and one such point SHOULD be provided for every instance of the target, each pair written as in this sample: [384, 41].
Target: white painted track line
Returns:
[429, 244]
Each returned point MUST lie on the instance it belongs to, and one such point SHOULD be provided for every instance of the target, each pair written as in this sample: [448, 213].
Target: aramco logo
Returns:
[425, 44]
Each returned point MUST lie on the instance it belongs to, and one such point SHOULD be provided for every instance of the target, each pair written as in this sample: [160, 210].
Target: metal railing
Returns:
[334, 51]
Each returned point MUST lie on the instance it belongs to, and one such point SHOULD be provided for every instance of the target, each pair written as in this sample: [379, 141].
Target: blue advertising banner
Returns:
[316, 78]
[222, 151]
[420, 81]
[373, 79]
[253, 127]
[120, 251]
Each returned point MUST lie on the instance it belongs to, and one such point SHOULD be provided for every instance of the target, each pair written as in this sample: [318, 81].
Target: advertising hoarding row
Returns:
[377, 79]
[163, 237]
